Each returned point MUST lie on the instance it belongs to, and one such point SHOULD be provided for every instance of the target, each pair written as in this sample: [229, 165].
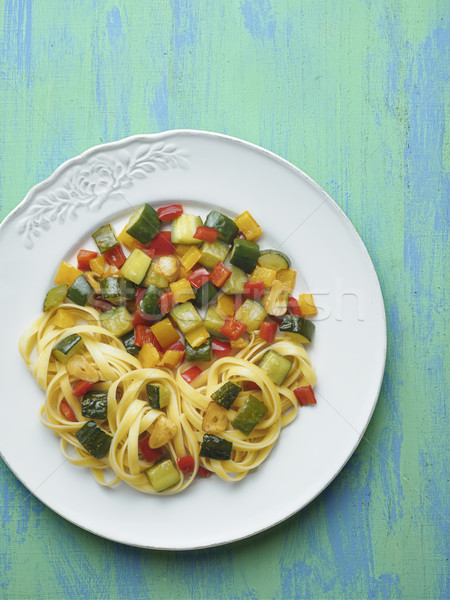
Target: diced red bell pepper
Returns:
[176, 346]
[237, 302]
[139, 295]
[67, 411]
[115, 256]
[198, 278]
[166, 302]
[186, 464]
[102, 305]
[293, 307]
[305, 395]
[203, 472]
[168, 213]
[144, 335]
[83, 258]
[220, 349]
[251, 385]
[219, 275]
[232, 328]
[150, 454]
[253, 290]
[142, 318]
[267, 331]
[148, 251]
[191, 374]
[162, 244]
[207, 234]
[79, 388]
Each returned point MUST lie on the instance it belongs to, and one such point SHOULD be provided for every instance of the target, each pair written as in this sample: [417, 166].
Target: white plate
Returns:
[202, 170]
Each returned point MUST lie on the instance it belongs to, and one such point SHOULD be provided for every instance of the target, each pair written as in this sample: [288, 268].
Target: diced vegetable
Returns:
[307, 306]
[67, 347]
[232, 328]
[144, 224]
[67, 274]
[95, 405]
[163, 430]
[235, 284]
[136, 266]
[184, 228]
[162, 244]
[225, 306]
[305, 395]
[97, 265]
[254, 290]
[293, 307]
[202, 472]
[182, 291]
[244, 255]
[267, 331]
[149, 304]
[116, 289]
[287, 278]
[117, 321]
[168, 267]
[192, 256]
[84, 257]
[212, 253]
[105, 238]
[213, 322]
[206, 234]
[165, 333]
[80, 368]
[226, 228]
[63, 319]
[190, 374]
[102, 305]
[115, 256]
[171, 358]
[170, 212]
[128, 342]
[166, 302]
[298, 325]
[197, 336]
[275, 302]
[186, 317]
[248, 226]
[186, 464]
[219, 275]
[215, 418]
[220, 348]
[215, 447]
[249, 415]
[79, 388]
[150, 454]
[200, 353]
[163, 475]
[276, 366]
[251, 313]
[144, 335]
[267, 276]
[239, 343]
[155, 278]
[274, 259]
[181, 249]
[55, 296]
[198, 278]
[205, 294]
[148, 356]
[67, 411]
[95, 440]
[127, 240]
[227, 394]
[158, 395]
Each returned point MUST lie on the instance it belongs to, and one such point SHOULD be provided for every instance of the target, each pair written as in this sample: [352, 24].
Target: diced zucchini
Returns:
[249, 415]
[245, 255]
[215, 447]
[186, 317]
[67, 347]
[80, 292]
[95, 404]
[117, 289]
[55, 296]
[251, 313]
[158, 395]
[136, 266]
[276, 366]
[273, 259]
[235, 283]
[226, 227]
[204, 294]
[155, 278]
[298, 325]
[117, 320]
[184, 228]
[149, 303]
[200, 353]
[213, 323]
[144, 224]
[163, 475]
[227, 394]
[95, 440]
[128, 342]
[213, 253]
[105, 238]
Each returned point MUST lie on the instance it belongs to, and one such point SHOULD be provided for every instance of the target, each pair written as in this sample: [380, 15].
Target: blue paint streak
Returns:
[18, 33]
[160, 104]
[259, 19]
[184, 24]
[114, 25]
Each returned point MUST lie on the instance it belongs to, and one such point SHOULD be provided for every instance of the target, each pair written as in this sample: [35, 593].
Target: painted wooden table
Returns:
[353, 92]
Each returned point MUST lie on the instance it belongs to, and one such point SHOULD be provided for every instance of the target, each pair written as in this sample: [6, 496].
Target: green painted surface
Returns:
[354, 93]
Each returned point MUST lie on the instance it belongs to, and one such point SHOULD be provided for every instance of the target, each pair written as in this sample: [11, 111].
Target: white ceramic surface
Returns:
[201, 170]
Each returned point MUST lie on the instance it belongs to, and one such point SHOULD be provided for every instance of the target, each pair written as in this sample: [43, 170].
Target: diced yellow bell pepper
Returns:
[248, 226]
[225, 306]
[184, 273]
[239, 343]
[112, 271]
[182, 291]
[127, 240]
[67, 273]
[63, 319]
[181, 249]
[197, 336]
[267, 276]
[306, 304]
[165, 332]
[148, 356]
[287, 278]
[192, 256]
[171, 359]
[98, 265]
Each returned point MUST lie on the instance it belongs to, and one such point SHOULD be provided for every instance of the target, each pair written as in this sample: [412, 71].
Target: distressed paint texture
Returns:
[354, 93]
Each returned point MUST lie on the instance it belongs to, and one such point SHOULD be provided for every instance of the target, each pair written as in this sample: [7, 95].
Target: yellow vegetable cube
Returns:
[112, 271]
[181, 249]
[127, 240]
[239, 343]
[197, 336]
[248, 226]
[63, 319]
[267, 276]
[67, 273]
[306, 304]
[287, 278]
[225, 306]
[148, 356]
[165, 332]
[171, 359]
[97, 265]
[184, 273]
[191, 257]
[182, 291]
